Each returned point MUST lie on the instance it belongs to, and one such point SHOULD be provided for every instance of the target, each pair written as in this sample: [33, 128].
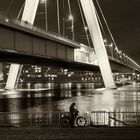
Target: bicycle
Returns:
[66, 119]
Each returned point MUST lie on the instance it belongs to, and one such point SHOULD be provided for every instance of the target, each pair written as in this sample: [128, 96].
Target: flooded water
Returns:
[57, 97]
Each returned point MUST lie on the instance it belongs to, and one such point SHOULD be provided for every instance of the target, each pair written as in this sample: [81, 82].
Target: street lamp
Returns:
[111, 49]
[133, 77]
[86, 28]
[70, 18]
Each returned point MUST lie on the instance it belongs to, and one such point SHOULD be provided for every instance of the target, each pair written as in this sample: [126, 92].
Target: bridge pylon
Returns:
[97, 39]
[28, 16]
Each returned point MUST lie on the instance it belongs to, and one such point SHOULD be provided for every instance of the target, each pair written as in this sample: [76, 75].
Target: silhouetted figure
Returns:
[73, 114]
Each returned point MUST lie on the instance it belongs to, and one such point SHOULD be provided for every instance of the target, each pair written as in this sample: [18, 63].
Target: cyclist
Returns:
[73, 114]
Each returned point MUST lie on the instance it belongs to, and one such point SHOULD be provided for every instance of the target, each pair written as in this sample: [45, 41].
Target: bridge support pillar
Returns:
[29, 14]
[30, 9]
[13, 76]
[97, 39]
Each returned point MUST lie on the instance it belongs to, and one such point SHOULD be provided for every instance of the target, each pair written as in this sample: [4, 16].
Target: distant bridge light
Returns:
[111, 44]
[105, 40]
[133, 73]
[120, 52]
[86, 28]
[71, 17]
[6, 19]
[117, 49]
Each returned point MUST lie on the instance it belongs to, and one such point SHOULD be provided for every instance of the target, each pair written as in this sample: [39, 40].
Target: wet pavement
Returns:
[54, 132]
[122, 99]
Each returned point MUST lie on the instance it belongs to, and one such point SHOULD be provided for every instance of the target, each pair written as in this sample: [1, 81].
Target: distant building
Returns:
[47, 74]
[44, 74]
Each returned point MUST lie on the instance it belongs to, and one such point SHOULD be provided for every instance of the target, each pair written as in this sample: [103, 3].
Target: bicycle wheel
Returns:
[81, 121]
[65, 121]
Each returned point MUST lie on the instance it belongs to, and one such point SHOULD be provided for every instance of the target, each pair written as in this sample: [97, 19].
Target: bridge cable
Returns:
[58, 17]
[69, 6]
[84, 23]
[106, 23]
[46, 14]
[21, 10]
[63, 26]
[109, 30]
[10, 5]
[100, 23]
[72, 29]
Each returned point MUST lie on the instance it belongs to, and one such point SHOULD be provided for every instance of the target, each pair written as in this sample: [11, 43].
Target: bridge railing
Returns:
[120, 57]
[94, 118]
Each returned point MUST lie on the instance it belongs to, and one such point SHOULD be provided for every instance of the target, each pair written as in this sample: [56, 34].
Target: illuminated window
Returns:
[69, 75]
[65, 70]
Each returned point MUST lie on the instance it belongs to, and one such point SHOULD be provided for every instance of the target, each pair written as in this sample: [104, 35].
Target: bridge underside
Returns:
[10, 57]
[118, 67]
[28, 59]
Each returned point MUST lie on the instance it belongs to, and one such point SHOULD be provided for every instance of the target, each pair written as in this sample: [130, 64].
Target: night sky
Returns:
[123, 17]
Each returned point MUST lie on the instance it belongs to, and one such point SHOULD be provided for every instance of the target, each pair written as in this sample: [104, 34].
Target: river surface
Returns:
[58, 97]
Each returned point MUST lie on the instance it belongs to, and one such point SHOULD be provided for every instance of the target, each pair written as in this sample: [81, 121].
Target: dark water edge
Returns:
[58, 97]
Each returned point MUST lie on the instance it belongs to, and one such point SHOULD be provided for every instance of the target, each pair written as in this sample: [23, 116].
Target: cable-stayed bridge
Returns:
[21, 42]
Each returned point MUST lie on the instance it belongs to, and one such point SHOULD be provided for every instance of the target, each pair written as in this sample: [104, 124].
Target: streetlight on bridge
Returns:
[70, 18]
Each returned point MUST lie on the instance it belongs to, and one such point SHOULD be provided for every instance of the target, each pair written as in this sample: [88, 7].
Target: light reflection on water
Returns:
[60, 96]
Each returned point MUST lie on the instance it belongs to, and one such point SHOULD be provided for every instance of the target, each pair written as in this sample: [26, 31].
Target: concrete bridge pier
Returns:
[97, 39]
[28, 16]
[13, 77]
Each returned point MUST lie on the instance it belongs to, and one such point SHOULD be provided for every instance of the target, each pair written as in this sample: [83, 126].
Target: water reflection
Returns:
[60, 96]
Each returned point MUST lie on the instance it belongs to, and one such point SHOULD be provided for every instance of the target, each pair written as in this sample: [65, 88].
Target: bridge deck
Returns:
[19, 39]
[24, 39]
[28, 28]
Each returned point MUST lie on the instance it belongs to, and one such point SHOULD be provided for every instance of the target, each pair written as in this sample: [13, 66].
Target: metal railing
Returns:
[124, 118]
[23, 118]
[94, 118]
